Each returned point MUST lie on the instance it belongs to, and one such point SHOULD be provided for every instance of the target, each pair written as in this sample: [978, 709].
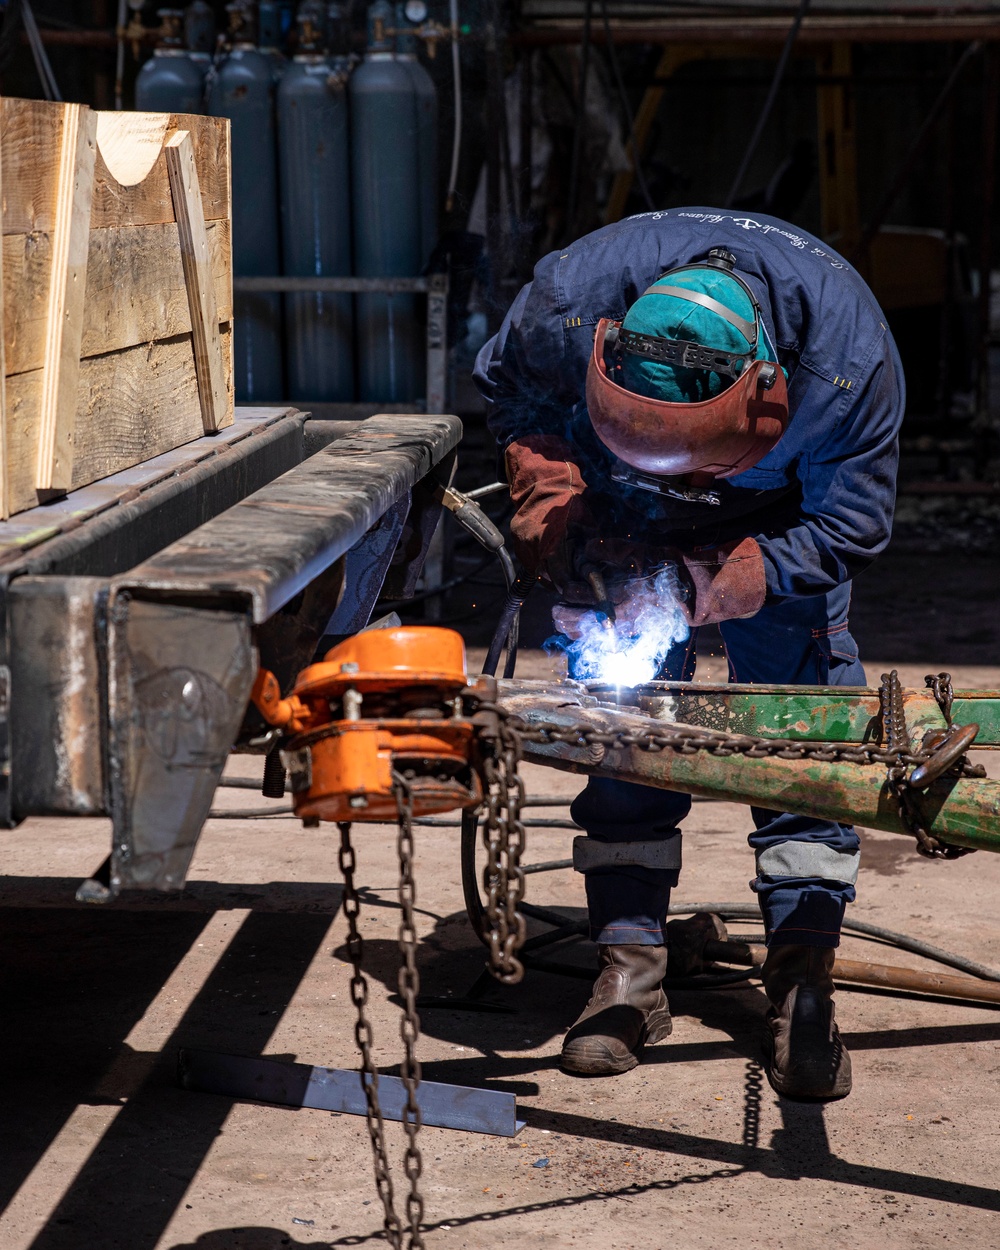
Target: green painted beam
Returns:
[806, 713]
[964, 812]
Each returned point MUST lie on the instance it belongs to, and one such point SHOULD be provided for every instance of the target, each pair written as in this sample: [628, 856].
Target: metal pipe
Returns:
[860, 972]
[961, 812]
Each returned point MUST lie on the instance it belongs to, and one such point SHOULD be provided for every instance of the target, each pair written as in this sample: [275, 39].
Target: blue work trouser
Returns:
[806, 868]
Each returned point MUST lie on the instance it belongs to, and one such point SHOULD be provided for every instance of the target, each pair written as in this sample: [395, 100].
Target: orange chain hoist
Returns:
[382, 702]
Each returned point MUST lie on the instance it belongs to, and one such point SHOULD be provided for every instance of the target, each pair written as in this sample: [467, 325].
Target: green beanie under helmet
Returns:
[666, 316]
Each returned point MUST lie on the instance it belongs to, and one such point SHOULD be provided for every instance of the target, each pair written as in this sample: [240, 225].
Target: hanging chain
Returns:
[940, 686]
[898, 738]
[504, 838]
[409, 1025]
[363, 1036]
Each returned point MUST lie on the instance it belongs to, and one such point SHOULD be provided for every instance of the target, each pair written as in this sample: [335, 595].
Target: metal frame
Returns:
[434, 286]
[132, 636]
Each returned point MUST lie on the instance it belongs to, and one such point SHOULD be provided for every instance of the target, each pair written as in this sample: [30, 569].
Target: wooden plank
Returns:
[31, 132]
[136, 291]
[4, 505]
[67, 291]
[131, 405]
[149, 201]
[216, 409]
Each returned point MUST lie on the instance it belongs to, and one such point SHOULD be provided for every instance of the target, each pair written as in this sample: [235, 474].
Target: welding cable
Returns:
[38, 53]
[507, 626]
[456, 80]
[616, 71]
[772, 95]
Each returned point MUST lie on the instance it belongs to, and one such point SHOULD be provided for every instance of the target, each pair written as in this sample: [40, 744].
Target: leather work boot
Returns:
[802, 1046]
[627, 1010]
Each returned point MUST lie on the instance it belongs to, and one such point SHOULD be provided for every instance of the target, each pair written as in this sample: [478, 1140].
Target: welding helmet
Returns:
[687, 386]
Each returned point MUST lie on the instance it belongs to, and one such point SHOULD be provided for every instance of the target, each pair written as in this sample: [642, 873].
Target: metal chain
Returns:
[504, 839]
[409, 1025]
[940, 686]
[364, 1038]
[688, 741]
[898, 740]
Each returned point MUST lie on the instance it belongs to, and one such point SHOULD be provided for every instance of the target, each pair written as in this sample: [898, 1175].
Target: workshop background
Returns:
[873, 126]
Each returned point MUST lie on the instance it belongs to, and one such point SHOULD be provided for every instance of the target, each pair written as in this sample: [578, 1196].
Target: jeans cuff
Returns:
[629, 935]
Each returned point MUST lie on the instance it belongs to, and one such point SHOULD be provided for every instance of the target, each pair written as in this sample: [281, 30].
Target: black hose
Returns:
[772, 95]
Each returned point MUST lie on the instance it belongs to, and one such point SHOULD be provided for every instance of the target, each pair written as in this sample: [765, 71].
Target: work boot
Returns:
[627, 1010]
[805, 1055]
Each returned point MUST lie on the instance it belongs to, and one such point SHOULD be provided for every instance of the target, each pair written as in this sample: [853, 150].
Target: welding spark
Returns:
[630, 650]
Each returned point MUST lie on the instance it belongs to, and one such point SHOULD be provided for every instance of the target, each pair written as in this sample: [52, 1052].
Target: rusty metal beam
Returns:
[962, 812]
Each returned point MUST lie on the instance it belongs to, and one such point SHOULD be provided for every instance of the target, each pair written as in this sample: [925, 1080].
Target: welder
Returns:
[719, 394]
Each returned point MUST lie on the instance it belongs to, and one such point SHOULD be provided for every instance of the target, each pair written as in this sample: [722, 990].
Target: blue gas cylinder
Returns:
[385, 205]
[199, 27]
[170, 82]
[427, 125]
[314, 166]
[241, 88]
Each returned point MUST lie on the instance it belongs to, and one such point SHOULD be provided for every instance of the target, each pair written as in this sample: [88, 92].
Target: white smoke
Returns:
[649, 621]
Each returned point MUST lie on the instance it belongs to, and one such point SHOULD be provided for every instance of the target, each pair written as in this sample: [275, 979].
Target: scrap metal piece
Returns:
[338, 1089]
[179, 681]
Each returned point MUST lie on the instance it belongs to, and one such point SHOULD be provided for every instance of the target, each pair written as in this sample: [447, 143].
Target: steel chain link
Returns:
[504, 838]
[363, 1036]
[409, 1024]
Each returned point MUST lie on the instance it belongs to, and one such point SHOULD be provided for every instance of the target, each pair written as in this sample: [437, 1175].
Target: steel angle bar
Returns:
[339, 1089]
[113, 524]
[182, 651]
[52, 562]
[271, 545]
[963, 812]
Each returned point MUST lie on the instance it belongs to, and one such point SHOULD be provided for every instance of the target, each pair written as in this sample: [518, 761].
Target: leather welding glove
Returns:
[546, 486]
[725, 583]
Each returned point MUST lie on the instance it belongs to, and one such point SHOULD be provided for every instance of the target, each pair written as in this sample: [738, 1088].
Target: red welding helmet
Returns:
[717, 437]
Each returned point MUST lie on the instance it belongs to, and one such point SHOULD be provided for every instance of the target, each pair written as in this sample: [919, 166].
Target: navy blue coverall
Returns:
[819, 504]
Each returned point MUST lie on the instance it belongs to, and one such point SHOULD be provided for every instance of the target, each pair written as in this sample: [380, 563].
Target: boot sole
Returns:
[796, 1095]
[659, 1026]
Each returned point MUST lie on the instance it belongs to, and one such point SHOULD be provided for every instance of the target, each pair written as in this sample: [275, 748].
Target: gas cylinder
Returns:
[427, 122]
[314, 167]
[385, 205]
[199, 27]
[170, 82]
[272, 35]
[241, 88]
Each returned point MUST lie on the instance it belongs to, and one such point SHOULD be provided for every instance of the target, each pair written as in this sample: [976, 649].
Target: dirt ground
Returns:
[102, 1149]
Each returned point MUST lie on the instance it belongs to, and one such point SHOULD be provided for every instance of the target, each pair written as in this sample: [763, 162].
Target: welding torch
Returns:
[472, 518]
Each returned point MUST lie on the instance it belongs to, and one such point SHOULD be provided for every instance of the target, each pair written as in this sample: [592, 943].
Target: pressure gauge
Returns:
[416, 11]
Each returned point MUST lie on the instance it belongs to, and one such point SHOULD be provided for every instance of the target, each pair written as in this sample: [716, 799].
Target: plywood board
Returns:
[31, 131]
[131, 405]
[135, 289]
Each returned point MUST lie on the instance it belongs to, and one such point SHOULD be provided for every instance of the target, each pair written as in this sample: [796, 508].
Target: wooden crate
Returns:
[117, 292]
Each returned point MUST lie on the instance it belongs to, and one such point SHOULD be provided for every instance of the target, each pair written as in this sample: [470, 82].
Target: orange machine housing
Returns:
[381, 703]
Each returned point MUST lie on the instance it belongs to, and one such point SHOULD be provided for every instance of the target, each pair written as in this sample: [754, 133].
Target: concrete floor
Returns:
[102, 1149]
